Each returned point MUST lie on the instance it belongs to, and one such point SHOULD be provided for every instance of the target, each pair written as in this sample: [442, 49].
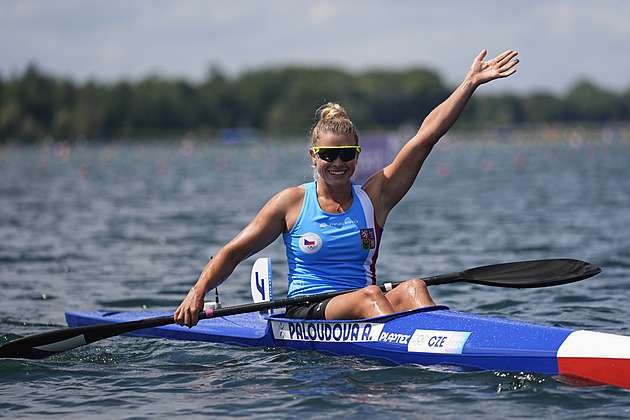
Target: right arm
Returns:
[277, 216]
[387, 187]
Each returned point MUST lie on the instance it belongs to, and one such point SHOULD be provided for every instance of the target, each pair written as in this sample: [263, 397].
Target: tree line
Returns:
[282, 101]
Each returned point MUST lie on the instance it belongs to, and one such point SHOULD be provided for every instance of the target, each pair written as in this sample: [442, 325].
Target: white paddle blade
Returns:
[261, 280]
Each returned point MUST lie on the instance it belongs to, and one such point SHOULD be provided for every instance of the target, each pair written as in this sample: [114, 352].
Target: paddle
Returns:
[524, 274]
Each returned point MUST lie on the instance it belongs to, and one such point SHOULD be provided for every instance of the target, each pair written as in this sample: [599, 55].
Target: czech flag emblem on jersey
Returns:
[368, 239]
[310, 243]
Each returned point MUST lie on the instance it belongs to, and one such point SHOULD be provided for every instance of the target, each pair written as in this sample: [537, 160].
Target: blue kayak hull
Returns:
[425, 337]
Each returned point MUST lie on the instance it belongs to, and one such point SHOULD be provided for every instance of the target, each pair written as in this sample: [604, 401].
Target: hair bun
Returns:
[333, 119]
[330, 111]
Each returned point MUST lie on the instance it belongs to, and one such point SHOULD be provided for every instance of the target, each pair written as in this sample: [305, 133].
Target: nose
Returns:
[338, 161]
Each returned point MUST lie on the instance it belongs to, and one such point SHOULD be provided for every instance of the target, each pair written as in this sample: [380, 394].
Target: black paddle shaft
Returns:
[524, 274]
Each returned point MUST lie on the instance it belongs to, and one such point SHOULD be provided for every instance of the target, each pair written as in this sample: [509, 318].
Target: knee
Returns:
[418, 289]
[372, 293]
[416, 284]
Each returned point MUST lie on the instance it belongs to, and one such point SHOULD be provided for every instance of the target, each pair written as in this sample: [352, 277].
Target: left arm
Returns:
[387, 187]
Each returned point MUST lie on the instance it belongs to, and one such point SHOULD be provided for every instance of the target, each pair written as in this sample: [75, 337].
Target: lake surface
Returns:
[129, 225]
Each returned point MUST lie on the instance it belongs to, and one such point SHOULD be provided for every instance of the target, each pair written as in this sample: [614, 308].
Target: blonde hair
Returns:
[332, 119]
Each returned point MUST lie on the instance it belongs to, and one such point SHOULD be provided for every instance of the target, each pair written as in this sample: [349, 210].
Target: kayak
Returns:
[427, 336]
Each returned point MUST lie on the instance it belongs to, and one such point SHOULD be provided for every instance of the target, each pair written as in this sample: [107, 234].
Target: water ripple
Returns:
[132, 237]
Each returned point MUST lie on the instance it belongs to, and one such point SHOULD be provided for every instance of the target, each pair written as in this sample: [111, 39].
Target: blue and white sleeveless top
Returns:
[329, 252]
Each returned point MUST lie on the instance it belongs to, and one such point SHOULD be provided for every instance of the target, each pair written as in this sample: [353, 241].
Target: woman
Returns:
[332, 227]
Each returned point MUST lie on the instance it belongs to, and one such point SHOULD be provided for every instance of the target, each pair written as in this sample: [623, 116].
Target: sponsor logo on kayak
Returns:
[348, 332]
[394, 338]
[431, 341]
[310, 243]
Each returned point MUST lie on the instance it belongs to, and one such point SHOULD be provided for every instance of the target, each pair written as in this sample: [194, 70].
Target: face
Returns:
[336, 172]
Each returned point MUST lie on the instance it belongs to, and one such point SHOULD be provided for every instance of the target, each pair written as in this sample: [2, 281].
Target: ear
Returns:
[313, 156]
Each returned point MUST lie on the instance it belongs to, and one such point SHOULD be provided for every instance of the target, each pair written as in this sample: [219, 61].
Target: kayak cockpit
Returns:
[384, 318]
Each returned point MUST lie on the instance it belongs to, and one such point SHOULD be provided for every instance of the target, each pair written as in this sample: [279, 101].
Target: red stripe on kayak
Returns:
[596, 371]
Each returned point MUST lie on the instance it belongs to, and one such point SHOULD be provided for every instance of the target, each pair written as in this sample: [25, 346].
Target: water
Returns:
[129, 226]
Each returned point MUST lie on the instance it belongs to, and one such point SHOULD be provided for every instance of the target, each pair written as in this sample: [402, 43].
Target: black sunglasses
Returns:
[330, 154]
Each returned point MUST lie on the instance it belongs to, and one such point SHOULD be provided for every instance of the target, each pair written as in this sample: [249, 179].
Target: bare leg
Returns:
[370, 301]
[411, 294]
[365, 303]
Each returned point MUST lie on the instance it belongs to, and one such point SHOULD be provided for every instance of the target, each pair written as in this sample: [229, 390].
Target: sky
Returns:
[559, 41]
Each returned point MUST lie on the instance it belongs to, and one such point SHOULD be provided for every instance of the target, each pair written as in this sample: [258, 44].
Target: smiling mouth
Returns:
[337, 172]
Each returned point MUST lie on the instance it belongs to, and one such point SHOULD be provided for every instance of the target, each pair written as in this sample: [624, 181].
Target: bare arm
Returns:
[271, 221]
[387, 187]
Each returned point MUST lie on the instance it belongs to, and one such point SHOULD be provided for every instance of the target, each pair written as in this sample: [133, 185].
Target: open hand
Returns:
[502, 66]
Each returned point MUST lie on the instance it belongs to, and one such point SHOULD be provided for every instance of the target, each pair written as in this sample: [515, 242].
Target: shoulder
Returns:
[290, 196]
[373, 187]
[289, 203]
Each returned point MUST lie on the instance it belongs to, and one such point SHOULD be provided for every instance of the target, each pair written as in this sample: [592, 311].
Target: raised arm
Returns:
[389, 186]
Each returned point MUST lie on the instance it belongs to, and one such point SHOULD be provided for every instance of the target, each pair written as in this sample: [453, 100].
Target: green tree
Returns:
[279, 100]
[587, 102]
